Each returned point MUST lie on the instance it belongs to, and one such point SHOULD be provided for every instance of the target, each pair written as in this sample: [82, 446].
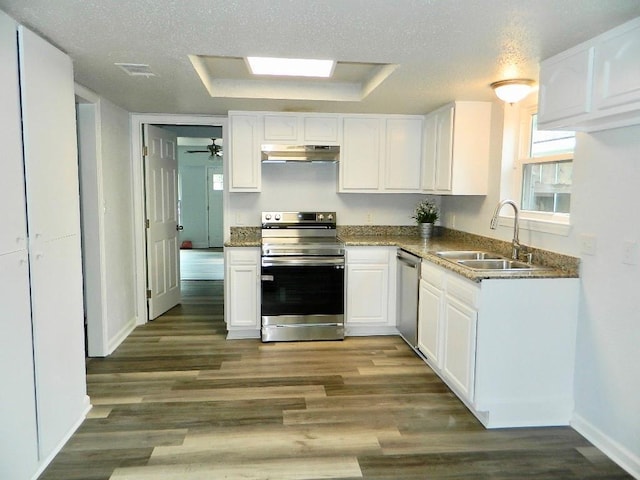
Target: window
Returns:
[545, 170]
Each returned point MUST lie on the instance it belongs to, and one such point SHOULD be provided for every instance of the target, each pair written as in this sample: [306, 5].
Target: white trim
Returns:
[610, 447]
[137, 120]
[119, 337]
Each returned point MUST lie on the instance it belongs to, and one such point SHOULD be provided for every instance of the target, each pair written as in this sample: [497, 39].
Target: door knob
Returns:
[179, 227]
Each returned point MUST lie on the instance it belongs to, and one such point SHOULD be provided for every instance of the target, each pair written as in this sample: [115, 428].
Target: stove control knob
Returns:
[267, 216]
[330, 217]
[277, 216]
[320, 217]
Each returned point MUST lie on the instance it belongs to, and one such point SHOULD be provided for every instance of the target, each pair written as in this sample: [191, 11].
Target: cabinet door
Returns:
[460, 322]
[367, 294]
[444, 149]
[361, 154]
[616, 70]
[403, 154]
[13, 234]
[429, 323]
[565, 86]
[281, 128]
[244, 159]
[321, 130]
[242, 288]
[18, 435]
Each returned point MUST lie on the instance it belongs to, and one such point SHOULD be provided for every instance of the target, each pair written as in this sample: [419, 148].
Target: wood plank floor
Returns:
[178, 401]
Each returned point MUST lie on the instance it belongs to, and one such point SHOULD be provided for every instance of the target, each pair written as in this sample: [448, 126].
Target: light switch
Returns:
[630, 252]
[588, 244]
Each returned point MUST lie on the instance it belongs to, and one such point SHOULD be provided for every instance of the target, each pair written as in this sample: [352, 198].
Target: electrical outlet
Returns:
[240, 219]
[588, 244]
[630, 252]
[369, 218]
[452, 220]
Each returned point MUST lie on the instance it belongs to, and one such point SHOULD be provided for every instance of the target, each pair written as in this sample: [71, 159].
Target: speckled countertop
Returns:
[551, 264]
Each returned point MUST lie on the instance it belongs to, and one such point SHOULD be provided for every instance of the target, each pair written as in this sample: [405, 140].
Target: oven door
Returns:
[302, 286]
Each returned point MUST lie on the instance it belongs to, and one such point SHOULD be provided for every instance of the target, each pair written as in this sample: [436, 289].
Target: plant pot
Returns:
[426, 230]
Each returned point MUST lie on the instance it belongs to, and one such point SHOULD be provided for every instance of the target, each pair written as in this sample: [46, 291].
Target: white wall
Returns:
[606, 180]
[313, 186]
[118, 220]
[607, 382]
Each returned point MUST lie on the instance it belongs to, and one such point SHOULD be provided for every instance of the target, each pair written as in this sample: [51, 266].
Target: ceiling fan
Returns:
[214, 150]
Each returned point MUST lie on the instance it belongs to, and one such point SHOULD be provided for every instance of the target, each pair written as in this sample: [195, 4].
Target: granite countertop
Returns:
[552, 265]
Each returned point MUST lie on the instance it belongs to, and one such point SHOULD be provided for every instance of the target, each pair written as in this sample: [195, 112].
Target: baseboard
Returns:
[612, 449]
[120, 336]
[243, 334]
[366, 331]
[46, 461]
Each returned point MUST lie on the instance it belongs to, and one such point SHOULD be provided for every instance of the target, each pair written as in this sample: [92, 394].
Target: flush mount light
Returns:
[136, 69]
[512, 91]
[290, 67]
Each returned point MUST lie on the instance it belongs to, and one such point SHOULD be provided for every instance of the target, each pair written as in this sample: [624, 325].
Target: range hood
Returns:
[300, 153]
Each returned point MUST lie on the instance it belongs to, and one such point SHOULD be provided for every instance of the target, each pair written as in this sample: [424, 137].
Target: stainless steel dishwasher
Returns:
[407, 301]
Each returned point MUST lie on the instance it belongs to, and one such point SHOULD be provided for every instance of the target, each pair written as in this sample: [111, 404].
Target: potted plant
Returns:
[425, 215]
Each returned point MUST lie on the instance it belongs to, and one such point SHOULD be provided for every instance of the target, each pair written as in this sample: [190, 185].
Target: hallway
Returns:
[179, 401]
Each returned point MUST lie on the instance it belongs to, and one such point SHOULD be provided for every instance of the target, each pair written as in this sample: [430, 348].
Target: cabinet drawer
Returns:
[432, 274]
[464, 291]
[368, 255]
[243, 256]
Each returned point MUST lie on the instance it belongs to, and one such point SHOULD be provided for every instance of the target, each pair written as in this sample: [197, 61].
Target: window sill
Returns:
[536, 225]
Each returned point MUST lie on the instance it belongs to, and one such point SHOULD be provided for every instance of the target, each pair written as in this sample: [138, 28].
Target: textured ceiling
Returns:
[445, 49]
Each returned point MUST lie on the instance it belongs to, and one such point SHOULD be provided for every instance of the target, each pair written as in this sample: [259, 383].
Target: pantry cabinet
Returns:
[456, 149]
[381, 154]
[595, 85]
[491, 344]
[242, 292]
[370, 291]
[42, 337]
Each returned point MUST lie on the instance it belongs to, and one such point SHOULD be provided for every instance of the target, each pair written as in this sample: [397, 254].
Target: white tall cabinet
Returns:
[41, 303]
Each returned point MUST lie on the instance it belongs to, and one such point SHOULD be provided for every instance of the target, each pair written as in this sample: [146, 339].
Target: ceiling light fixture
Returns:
[291, 67]
[514, 90]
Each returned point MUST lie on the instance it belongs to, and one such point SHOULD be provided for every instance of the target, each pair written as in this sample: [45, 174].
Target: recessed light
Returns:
[290, 67]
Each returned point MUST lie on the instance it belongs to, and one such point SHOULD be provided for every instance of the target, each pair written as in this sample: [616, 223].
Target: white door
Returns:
[163, 255]
[214, 203]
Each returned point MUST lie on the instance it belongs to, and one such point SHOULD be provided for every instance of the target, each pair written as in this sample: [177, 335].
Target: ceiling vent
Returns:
[136, 69]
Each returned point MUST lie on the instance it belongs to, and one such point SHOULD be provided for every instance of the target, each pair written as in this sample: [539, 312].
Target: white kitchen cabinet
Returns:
[430, 307]
[459, 329]
[595, 85]
[506, 347]
[370, 291]
[242, 292]
[41, 338]
[244, 155]
[381, 153]
[301, 129]
[456, 149]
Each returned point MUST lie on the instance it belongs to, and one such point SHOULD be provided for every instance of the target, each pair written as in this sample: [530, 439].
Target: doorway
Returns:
[172, 122]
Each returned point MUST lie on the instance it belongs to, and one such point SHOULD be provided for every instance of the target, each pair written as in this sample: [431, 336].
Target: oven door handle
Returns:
[303, 261]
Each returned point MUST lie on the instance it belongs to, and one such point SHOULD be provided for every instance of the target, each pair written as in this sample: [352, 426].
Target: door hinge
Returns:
[145, 151]
[148, 293]
[146, 223]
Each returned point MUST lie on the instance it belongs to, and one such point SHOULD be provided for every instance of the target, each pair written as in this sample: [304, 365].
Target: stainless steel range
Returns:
[302, 277]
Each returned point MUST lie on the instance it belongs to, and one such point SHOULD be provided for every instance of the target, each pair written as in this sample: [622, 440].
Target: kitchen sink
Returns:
[496, 264]
[468, 255]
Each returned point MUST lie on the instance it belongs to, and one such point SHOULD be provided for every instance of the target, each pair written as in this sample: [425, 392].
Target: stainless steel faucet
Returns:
[515, 252]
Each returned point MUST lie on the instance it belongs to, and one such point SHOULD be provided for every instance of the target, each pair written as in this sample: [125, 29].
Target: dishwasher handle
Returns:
[408, 259]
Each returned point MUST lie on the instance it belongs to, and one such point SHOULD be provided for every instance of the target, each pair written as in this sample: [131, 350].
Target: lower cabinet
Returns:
[370, 291]
[505, 347]
[242, 292]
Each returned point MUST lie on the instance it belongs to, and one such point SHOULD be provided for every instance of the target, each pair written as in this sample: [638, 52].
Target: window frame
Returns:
[549, 222]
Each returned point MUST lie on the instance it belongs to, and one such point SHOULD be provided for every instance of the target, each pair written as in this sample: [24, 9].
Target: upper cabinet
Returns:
[456, 149]
[244, 155]
[381, 153]
[595, 85]
[301, 129]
